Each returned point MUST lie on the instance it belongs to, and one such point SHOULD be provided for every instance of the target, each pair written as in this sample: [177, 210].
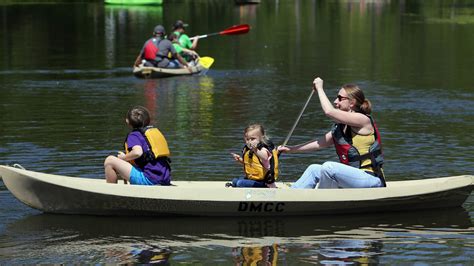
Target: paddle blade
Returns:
[234, 30]
[206, 61]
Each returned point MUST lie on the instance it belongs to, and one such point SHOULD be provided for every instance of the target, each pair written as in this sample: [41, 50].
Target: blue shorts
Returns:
[137, 177]
[244, 182]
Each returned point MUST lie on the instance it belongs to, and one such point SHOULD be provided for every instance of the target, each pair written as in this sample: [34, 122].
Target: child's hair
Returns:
[260, 129]
[138, 117]
[173, 36]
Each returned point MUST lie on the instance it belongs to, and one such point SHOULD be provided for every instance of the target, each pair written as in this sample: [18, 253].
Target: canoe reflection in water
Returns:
[246, 241]
[154, 255]
[348, 251]
[151, 254]
[353, 251]
[266, 255]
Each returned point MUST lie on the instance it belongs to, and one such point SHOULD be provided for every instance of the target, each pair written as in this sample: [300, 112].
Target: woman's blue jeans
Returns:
[336, 175]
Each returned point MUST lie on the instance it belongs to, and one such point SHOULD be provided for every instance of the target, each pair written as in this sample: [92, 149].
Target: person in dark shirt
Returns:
[159, 52]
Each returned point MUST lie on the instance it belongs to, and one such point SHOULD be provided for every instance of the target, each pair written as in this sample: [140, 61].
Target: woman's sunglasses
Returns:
[340, 97]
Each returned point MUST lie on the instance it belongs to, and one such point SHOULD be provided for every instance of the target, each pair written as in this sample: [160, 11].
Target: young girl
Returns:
[259, 158]
[146, 158]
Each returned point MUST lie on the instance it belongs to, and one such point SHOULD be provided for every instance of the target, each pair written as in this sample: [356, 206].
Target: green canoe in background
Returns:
[134, 2]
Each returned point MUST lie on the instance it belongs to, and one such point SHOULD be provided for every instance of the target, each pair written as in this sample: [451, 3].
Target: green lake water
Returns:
[66, 84]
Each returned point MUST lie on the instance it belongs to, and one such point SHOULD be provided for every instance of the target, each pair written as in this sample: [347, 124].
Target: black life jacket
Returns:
[348, 154]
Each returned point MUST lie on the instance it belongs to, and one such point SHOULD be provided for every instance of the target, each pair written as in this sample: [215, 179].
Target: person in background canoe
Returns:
[183, 39]
[156, 52]
[259, 159]
[357, 142]
[146, 158]
[183, 52]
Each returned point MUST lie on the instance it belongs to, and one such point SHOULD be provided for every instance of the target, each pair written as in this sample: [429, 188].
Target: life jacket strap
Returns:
[378, 170]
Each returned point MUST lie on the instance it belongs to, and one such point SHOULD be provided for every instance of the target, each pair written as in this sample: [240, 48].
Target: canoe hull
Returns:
[156, 73]
[68, 195]
[245, 2]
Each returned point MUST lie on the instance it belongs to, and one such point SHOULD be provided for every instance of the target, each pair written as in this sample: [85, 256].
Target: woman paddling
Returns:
[355, 137]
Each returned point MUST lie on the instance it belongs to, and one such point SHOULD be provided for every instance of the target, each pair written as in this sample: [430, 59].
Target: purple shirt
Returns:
[158, 171]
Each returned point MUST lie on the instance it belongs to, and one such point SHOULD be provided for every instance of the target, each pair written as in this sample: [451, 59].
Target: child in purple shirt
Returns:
[140, 165]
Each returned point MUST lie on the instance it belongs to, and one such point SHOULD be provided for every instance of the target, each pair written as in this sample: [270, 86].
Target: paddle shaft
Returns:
[234, 30]
[204, 36]
[298, 119]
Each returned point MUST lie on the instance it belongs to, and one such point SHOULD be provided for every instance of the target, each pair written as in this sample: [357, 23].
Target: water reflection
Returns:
[117, 25]
[189, 99]
[362, 6]
[66, 83]
[266, 255]
[156, 255]
[247, 14]
[152, 254]
[151, 95]
[327, 239]
[326, 252]
[349, 251]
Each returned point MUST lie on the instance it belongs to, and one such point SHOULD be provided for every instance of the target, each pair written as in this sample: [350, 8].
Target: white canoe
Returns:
[72, 195]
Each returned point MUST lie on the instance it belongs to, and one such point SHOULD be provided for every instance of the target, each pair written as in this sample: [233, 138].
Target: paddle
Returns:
[206, 61]
[297, 120]
[234, 30]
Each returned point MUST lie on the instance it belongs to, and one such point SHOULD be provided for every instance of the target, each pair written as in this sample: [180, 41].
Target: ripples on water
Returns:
[61, 119]
[87, 136]
[203, 120]
[382, 238]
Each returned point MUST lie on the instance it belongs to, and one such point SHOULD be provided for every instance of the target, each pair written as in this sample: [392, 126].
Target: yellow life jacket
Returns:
[260, 255]
[254, 169]
[157, 145]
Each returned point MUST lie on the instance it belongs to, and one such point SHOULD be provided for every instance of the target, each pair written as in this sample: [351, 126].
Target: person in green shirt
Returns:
[183, 38]
[187, 54]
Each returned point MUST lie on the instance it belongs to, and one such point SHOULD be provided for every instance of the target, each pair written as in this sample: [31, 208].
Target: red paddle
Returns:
[234, 30]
